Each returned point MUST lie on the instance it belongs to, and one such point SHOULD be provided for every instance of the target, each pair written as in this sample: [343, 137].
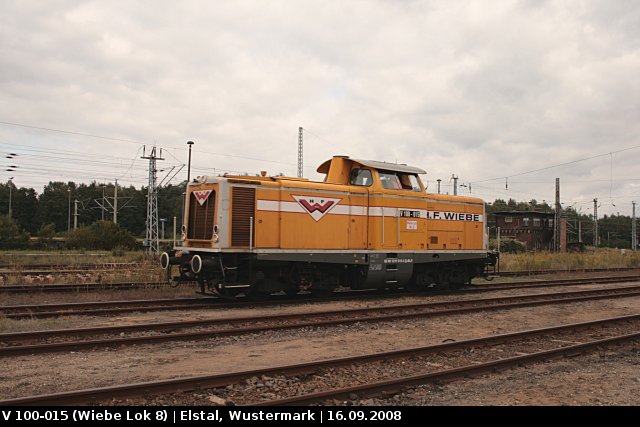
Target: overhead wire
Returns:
[560, 164]
[140, 143]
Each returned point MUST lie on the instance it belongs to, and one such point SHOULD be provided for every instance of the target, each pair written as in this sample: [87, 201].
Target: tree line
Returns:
[47, 213]
[54, 207]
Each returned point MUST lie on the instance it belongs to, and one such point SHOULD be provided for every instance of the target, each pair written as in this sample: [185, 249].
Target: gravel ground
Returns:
[606, 377]
[28, 375]
[262, 388]
[10, 325]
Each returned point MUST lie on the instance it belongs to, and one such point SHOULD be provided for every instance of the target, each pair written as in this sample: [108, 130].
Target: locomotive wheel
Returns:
[423, 281]
[458, 277]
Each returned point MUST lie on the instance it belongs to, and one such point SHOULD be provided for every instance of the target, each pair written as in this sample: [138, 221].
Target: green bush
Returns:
[11, 235]
[103, 235]
[511, 246]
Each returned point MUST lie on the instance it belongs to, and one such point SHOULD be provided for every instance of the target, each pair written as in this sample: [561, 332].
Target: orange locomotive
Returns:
[369, 224]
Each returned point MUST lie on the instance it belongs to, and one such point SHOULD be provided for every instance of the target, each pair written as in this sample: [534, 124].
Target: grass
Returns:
[144, 273]
[602, 258]
[30, 257]
[148, 268]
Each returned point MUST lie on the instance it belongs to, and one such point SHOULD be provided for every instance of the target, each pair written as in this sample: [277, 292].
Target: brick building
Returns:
[534, 229]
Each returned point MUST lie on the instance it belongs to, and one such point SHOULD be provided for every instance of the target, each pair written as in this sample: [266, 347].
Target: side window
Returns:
[525, 222]
[361, 177]
[410, 182]
[390, 181]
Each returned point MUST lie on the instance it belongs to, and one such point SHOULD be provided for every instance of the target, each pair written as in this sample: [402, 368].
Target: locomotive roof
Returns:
[394, 167]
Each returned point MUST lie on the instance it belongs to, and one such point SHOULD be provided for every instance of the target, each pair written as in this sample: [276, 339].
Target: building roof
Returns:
[515, 213]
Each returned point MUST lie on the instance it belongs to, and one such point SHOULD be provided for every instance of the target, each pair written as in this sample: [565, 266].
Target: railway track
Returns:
[559, 271]
[56, 267]
[552, 282]
[102, 307]
[89, 287]
[73, 268]
[79, 287]
[58, 273]
[112, 336]
[119, 307]
[323, 380]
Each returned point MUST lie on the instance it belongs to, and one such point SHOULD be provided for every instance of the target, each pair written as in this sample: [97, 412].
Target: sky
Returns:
[506, 95]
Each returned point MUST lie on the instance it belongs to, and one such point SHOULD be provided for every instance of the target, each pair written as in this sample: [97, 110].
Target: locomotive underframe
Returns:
[262, 272]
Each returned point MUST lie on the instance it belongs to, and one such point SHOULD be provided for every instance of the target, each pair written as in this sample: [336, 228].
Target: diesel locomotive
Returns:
[368, 224]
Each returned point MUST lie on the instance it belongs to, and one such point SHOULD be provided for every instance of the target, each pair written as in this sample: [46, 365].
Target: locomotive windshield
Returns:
[399, 181]
[361, 177]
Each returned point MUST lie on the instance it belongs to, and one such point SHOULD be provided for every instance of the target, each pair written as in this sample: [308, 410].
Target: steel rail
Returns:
[94, 395]
[559, 271]
[550, 283]
[66, 272]
[235, 325]
[101, 304]
[141, 285]
[79, 287]
[108, 266]
[117, 307]
[63, 266]
[39, 310]
[397, 384]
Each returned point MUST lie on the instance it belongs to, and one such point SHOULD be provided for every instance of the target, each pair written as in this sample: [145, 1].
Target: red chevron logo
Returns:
[202, 196]
[317, 207]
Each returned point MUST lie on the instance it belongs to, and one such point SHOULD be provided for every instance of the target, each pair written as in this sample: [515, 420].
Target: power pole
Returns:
[162, 221]
[189, 143]
[579, 231]
[556, 221]
[69, 212]
[115, 203]
[634, 236]
[75, 214]
[10, 183]
[300, 172]
[151, 238]
[102, 206]
[108, 207]
[595, 223]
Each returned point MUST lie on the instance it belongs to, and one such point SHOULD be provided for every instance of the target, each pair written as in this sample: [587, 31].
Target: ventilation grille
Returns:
[201, 218]
[243, 206]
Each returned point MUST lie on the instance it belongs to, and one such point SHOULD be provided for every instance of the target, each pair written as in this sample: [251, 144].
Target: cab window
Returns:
[361, 177]
[390, 181]
[399, 181]
[410, 182]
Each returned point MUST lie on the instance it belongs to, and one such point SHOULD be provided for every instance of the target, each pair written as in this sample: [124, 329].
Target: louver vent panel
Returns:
[201, 217]
[243, 207]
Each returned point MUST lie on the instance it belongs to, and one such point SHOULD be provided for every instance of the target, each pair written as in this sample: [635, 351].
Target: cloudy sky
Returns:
[496, 92]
